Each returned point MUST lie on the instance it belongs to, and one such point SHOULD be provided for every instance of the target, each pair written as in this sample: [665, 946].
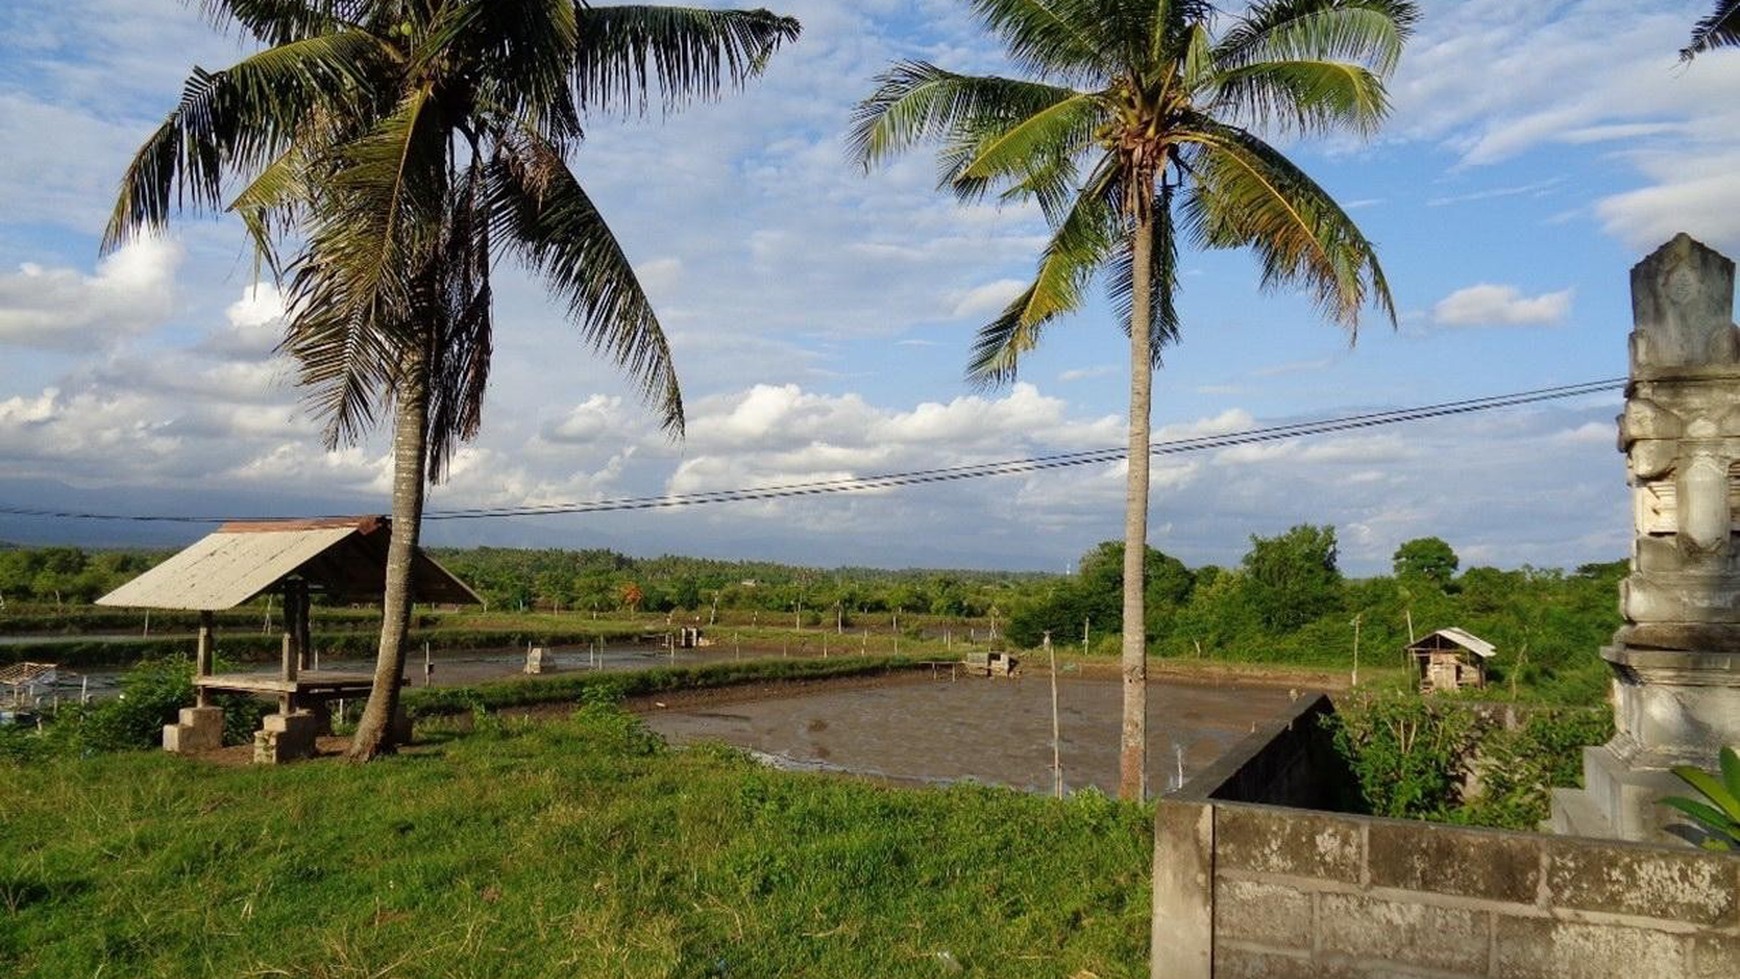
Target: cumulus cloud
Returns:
[1496, 305]
[986, 300]
[130, 292]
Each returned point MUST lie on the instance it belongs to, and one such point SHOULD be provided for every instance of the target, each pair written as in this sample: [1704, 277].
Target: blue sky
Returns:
[821, 317]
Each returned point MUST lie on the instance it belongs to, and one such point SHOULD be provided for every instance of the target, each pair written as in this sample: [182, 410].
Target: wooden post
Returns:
[1056, 749]
[1356, 648]
[202, 657]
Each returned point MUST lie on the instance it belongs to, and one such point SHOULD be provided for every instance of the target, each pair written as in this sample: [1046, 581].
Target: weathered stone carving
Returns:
[1677, 658]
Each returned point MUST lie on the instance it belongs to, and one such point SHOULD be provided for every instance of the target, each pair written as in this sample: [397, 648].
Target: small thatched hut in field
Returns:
[1450, 659]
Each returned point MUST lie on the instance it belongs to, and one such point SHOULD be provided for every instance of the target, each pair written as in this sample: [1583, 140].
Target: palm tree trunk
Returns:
[374, 733]
[1133, 756]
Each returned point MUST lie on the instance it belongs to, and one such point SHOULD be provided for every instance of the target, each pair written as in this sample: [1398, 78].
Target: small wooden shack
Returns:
[344, 558]
[1450, 659]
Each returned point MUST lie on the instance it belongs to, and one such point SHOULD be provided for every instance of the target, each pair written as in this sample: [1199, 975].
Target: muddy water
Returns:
[990, 730]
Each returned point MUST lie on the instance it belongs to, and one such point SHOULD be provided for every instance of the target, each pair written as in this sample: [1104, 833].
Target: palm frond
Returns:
[915, 101]
[1245, 193]
[239, 120]
[1013, 151]
[275, 22]
[1163, 326]
[1059, 39]
[1088, 235]
[1367, 32]
[541, 208]
[521, 56]
[459, 300]
[375, 222]
[1720, 29]
[1304, 96]
[685, 53]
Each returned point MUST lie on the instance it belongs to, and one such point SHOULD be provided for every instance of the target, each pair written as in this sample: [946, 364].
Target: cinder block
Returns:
[1268, 914]
[1404, 933]
[200, 729]
[285, 737]
[1688, 886]
[1540, 948]
[1287, 841]
[1419, 856]
[1239, 963]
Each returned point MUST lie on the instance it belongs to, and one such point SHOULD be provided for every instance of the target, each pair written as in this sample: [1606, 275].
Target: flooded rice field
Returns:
[929, 730]
[443, 668]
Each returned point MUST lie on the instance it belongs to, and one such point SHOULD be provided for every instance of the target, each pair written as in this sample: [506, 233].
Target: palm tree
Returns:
[398, 148]
[1136, 131]
[1720, 29]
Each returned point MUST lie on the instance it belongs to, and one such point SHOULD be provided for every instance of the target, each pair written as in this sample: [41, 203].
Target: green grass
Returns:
[579, 847]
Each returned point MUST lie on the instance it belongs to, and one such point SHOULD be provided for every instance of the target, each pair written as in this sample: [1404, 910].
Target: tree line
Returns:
[1287, 601]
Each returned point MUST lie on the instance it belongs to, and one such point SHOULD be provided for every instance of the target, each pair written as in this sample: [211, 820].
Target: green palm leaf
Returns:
[556, 228]
[685, 53]
[1720, 29]
[1719, 814]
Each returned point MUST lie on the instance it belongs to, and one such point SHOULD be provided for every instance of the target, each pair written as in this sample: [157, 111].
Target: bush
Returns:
[152, 695]
[1457, 761]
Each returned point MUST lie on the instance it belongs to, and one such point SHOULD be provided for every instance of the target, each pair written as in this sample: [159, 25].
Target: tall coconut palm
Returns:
[396, 149]
[1720, 29]
[1138, 131]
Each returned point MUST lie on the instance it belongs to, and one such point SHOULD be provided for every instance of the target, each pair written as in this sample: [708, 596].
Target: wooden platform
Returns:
[308, 685]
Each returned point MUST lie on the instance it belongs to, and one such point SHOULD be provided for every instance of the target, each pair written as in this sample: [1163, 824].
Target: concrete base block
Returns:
[200, 729]
[540, 660]
[285, 737]
[1618, 800]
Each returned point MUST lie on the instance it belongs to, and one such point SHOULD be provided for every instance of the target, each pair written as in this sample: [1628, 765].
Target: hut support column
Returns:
[202, 656]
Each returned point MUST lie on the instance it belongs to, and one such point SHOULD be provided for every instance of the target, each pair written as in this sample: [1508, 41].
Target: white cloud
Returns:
[131, 291]
[1496, 305]
[986, 300]
[1697, 194]
[1089, 373]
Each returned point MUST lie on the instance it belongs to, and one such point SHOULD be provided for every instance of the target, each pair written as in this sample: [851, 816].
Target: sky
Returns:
[821, 317]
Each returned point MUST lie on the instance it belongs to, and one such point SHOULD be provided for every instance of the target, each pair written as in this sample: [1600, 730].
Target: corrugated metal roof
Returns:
[242, 561]
[1469, 641]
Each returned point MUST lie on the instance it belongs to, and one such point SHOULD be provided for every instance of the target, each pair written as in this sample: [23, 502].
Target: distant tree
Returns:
[632, 596]
[1720, 29]
[1094, 595]
[1293, 578]
[686, 593]
[1426, 557]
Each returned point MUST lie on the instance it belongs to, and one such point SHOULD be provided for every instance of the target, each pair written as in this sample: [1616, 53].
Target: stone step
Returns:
[1575, 814]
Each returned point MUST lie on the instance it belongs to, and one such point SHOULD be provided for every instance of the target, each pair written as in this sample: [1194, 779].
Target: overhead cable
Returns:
[855, 484]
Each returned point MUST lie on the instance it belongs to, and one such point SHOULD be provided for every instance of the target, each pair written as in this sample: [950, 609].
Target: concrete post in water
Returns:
[1676, 660]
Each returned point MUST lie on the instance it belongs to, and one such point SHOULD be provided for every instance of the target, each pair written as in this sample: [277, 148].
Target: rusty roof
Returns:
[345, 558]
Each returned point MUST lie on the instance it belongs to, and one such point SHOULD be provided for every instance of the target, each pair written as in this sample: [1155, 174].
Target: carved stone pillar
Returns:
[1676, 661]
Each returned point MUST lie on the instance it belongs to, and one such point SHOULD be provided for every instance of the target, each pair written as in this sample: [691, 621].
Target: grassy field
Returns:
[579, 847]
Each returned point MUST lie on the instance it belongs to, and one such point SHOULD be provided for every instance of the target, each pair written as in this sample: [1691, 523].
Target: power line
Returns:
[893, 480]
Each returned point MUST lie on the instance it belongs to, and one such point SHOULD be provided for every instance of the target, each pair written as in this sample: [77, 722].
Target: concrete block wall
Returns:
[1247, 889]
[1303, 893]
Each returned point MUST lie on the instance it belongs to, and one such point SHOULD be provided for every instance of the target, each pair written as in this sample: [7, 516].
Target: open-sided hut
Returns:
[343, 558]
[1450, 659]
